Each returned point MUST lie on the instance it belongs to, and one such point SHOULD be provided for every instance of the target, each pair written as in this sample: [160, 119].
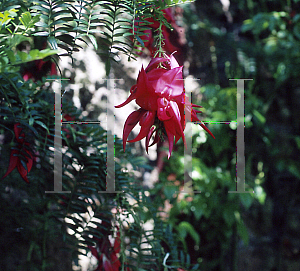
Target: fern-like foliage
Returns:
[112, 27]
[84, 215]
[108, 25]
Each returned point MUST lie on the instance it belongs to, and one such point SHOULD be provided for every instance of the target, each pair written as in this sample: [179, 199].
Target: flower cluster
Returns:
[17, 154]
[160, 94]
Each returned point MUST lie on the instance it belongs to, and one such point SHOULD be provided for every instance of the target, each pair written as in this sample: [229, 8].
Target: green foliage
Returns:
[77, 216]
[279, 35]
[71, 222]
[14, 31]
[169, 3]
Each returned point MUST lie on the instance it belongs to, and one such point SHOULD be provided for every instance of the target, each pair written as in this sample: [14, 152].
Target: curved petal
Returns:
[195, 105]
[170, 114]
[18, 130]
[130, 123]
[173, 62]
[146, 97]
[155, 140]
[154, 75]
[162, 109]
[146, 122]
[131, 97]
[177, 118]
[13, 161]
[171, 142]
[206, 129]
[151, 131]
[170, 84]
[154, 63]
[174, 124]
[23, 172]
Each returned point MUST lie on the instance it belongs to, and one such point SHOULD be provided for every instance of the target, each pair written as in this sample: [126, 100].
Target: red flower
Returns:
[35, 70]
[160, 94]
[39, 69]
[106, 254]
[15, 155]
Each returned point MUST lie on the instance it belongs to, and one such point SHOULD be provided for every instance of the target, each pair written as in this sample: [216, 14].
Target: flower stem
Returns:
[160, 38]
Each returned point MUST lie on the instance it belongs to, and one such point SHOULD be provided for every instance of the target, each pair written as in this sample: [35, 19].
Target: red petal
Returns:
[13, 161]
[170, 84]
[154, 63]
[39, 64]
[130, 123]
[117, 244]
[156, 139]
[173, 124]
[171, 142]
[195, 105]
[115, 262]
[53, 70]
[17, 130]
[146, 97]
[154, 75]
[173, 62]
[131, 97]
[23, 172]
[206, 129]
[168, 15]
[147, 120]
[162, 111]
[151, 131]
[94, 252]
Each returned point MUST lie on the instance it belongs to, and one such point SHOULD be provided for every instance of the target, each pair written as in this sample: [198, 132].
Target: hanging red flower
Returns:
[160, 94]
[15, 155]
[106, 254]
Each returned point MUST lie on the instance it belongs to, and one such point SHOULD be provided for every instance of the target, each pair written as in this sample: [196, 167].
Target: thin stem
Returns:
[160, 40]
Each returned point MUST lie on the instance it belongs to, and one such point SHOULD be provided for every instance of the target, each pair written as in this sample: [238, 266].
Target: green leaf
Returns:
[185, 228]
[43, 33]
[170, 190]
[25, 19]
[259, 116]
[17, 39]
[42, 125]
[52, 42]
[11, 56]
[169, 3]
[22, 55]
[243, 232]
[140, 41]
[93, 41]
[7, 16]
[246, 200]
